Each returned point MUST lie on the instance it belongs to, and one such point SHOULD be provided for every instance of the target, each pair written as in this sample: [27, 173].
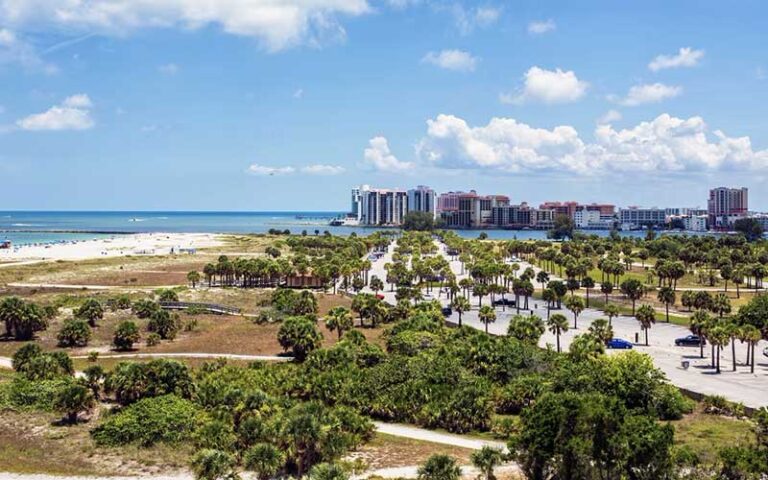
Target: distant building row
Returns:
[388, 207]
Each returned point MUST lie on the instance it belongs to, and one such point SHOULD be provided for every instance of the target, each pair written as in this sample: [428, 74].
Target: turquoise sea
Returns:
[28, 227]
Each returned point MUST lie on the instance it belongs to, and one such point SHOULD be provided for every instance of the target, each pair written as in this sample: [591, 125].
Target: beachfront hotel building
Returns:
[468, 209]
[422, 199]
[636, 217]
[383, 207]
[726, 205]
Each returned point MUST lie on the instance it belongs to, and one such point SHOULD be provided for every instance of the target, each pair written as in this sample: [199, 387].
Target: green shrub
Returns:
[24, 394]
[153, 339]
[164, 324]
[126, 334]
[91, 310]
[74, 333]
[131, 381]
[718, 405]
[670, 404]
[166, 419]
[144, 308]
[31, 362]
[217, 435]
[168, 295]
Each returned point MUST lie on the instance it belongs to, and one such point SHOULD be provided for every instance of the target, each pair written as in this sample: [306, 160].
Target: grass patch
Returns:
[706, 434]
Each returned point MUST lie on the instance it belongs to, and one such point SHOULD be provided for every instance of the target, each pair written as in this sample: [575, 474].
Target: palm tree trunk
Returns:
[558, 341]
[752, 363]
[733, 352]
[646, 337]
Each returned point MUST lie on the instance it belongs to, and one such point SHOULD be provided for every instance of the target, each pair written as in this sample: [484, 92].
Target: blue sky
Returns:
[285, 104]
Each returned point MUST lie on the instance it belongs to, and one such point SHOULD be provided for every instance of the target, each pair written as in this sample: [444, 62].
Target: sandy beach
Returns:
[122, 245]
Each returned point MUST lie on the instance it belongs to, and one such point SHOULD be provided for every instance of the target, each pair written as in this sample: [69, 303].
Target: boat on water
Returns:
[345, 222]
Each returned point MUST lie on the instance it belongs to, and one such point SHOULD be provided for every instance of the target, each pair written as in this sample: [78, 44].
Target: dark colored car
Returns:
[447, 311]
[504, 301]
[689, 341]
[619, 344]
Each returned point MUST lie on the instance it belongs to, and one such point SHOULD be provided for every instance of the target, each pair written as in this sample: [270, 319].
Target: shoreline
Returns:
[119, 245]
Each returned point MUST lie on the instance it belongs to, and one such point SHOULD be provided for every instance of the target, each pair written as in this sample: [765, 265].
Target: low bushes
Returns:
[166, 419]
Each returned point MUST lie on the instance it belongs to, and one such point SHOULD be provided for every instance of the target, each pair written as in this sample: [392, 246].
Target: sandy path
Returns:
[229, 356]
[416, 433]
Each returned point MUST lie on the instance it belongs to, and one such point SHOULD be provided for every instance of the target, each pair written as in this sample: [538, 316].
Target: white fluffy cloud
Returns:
[320, 169]
[315, 169]
[467, 20]
[15, 50]
[278, 24]
[609, 117]
[379, 157]
[685, 57]
[457, 60]
[264, 170]
[548, 86]
[649, 93]
[505, 145]
[74, 113]
[541, 27]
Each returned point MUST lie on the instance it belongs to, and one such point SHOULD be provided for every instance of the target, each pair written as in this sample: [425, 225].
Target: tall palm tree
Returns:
[461, 304]
[718, 337]
[588, 283]
[721, 304]
[193, 277]
[752, 335]
[611, 310]
[667, 296]
[646, 315]
[339, 319]
[549, 297]
[557, 324]
[576, 306]
[487, 315]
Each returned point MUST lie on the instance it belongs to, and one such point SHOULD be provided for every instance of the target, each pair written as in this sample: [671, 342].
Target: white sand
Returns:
[138, 244]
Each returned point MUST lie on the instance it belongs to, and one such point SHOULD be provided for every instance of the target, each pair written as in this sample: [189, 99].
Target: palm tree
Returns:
[646, 315]
[557, 324]
[718, 337]
[193, 277]
[487, 315]
[461, 304]
[376, 284]
[486, 460]
[264, 459]
[588, 283]
[634, 290]
[721, 305]
[548, 295]
[698, 322]
[751, 335]
[667, 296]
[611, 310]
[339, 319]
[543, 278]
[439, 467]
[480, 290]
[576, 306]
[602, 330]
[607, 289]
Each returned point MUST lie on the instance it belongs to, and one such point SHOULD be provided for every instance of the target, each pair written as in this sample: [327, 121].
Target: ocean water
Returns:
[28, 227]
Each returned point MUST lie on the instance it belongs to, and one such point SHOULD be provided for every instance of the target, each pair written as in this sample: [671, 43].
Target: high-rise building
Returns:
[726, 205]
[422, 199]
[357, 201]
[468, 209]
[383, 207]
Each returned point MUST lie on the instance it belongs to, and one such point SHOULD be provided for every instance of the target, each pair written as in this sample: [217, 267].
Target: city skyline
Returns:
[163, 106]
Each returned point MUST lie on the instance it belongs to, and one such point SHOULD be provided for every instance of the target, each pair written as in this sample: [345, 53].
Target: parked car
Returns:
[447, 311]
[765, 351]
[689, 341]
[380, 296]
[504, 301]
[619, 344]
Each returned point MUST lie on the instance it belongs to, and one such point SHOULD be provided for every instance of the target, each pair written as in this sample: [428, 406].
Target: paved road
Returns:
[416, 433]
[739, 386]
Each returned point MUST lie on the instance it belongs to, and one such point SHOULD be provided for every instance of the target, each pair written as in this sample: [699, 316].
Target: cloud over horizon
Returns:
[314, 169]
[664, 144]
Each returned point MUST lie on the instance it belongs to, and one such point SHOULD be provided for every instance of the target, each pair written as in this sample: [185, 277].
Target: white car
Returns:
[765, 352]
